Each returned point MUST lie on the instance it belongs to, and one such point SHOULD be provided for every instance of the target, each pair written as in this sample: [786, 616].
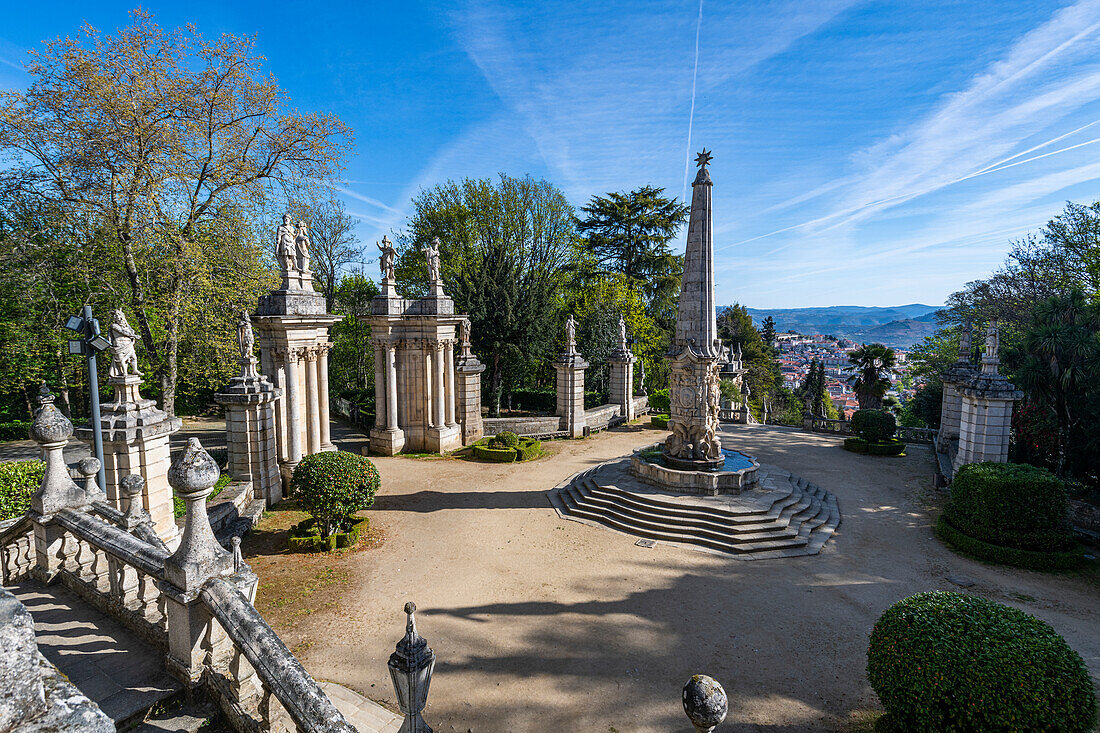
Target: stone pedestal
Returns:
[570, 393]
[621, 386]
[292, 333]
[985, 419]
[135, 440]
[249, 402]
[469, 398]
[416, 383]
[956, 376]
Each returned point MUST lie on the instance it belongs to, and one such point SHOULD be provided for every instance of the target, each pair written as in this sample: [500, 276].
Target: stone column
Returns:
[313, 416]
[391, 387]
[438, 387]
[449, 366]
[387, 439]
[322, 396]
[379, 387]
[469, 396]
[250, 417]
[570, 393]
[293, 410]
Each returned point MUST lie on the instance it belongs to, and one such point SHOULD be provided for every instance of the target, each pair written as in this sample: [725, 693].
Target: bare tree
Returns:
[334, 243]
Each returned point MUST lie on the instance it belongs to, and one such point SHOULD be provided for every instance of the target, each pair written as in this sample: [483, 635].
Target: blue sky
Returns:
[867, 153]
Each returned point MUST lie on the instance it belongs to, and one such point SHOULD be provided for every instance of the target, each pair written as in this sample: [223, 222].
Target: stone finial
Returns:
[88, 468]
[199, 557]
[411, 666]
[705, 703]
[131, 487]
[52, 430]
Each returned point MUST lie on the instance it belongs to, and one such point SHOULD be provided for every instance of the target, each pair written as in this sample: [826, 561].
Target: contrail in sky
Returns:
[691, 115]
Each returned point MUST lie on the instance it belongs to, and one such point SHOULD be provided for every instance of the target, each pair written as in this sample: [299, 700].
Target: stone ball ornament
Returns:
[705, 702]
[194, 471]
[49, 426]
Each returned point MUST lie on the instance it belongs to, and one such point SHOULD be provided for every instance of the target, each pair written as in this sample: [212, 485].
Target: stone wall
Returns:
[599, 418]
[540, 425]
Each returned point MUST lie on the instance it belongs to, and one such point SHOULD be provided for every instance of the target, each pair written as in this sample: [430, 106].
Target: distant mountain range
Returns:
[899, 326]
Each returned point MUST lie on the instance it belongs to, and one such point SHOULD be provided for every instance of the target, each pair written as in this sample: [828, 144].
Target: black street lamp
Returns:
[88, 346]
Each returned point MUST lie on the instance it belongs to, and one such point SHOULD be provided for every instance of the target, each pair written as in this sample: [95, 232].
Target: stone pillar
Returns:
[293, 410]
[135, 440]
[956, 376]
[250, 428]
[468, 390]
[449, 387]
[387, 439]
[313, 415]
[622, 382]
[52, 430]
[570, 393]
[985, 422]
[379, 387]
[322, 397]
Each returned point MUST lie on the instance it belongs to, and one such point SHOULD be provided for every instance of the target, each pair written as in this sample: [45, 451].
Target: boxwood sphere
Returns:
[334, 485]
[943, 661]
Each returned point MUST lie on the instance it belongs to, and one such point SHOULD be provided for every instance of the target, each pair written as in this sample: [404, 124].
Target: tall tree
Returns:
[504, 252]
[767, 332]
[332, 237]
[872, 365]
[762, 376]
[151, 134]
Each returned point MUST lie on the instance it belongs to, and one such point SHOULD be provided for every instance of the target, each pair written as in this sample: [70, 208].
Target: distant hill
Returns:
[899, 326]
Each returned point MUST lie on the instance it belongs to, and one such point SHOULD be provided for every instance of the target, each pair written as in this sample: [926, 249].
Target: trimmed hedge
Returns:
[943, 661]
[659, 400]
[333, 486]
[892, 447]
[487, 450]
[306, 537]
[659, 421]
[18, 481]
[874, 426]
[15, 430]
[856, 445]
[1027, 559]
[1013, 500]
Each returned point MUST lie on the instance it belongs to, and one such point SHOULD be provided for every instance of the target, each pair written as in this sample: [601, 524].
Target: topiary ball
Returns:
[874, 426]
[508, 439]
[332, 486]
[943, 661]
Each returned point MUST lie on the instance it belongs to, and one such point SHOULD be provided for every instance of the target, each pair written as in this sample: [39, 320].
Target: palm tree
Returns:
[873, 364]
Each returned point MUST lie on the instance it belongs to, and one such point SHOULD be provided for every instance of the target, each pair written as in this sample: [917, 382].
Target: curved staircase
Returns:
[786, 517]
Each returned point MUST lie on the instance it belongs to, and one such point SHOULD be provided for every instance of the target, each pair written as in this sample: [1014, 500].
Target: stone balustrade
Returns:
[194, 603]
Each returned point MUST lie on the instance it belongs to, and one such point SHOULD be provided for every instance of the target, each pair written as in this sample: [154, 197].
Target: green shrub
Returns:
[1014, 500]
[659, 421]
[15, 430]
[1030, 559]
[659, 401]
[943, 661]
[535, 400]
[18, 481]
[856, 445]
[529, 448]
[485, 450]
[508, 439]
[893, 447]
[333, 486]
[874, 426]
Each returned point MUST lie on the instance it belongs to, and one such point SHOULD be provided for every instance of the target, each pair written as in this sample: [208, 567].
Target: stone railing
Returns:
[195, 603]
[916, 435]
[825, 425]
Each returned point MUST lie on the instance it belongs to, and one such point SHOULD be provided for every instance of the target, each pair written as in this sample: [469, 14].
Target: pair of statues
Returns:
[389, 257]
[571, 335]
[292, 246]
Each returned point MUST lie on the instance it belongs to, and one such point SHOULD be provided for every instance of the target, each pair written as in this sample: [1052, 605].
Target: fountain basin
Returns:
[738, 473]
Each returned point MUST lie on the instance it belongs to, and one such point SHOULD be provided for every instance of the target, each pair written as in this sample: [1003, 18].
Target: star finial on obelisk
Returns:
[703, 158]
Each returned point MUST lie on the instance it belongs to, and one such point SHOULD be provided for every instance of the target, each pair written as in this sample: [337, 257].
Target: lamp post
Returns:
[411, 667]
[88, 346]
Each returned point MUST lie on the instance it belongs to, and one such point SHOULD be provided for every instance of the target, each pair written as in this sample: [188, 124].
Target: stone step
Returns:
[709, 513]
[596, 500]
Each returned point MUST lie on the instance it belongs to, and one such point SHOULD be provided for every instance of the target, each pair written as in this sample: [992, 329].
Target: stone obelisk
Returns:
[694, 390]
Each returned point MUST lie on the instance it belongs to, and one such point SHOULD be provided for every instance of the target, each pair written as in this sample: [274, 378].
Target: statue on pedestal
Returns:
[570, 335]
[431, 255]
[992, 340]
[284, 245]
[123, 338]
[386, 261]
[245, 339]
[301, 247]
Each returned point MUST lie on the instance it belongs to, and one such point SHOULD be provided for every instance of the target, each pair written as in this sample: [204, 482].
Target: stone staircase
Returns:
[785, 517]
